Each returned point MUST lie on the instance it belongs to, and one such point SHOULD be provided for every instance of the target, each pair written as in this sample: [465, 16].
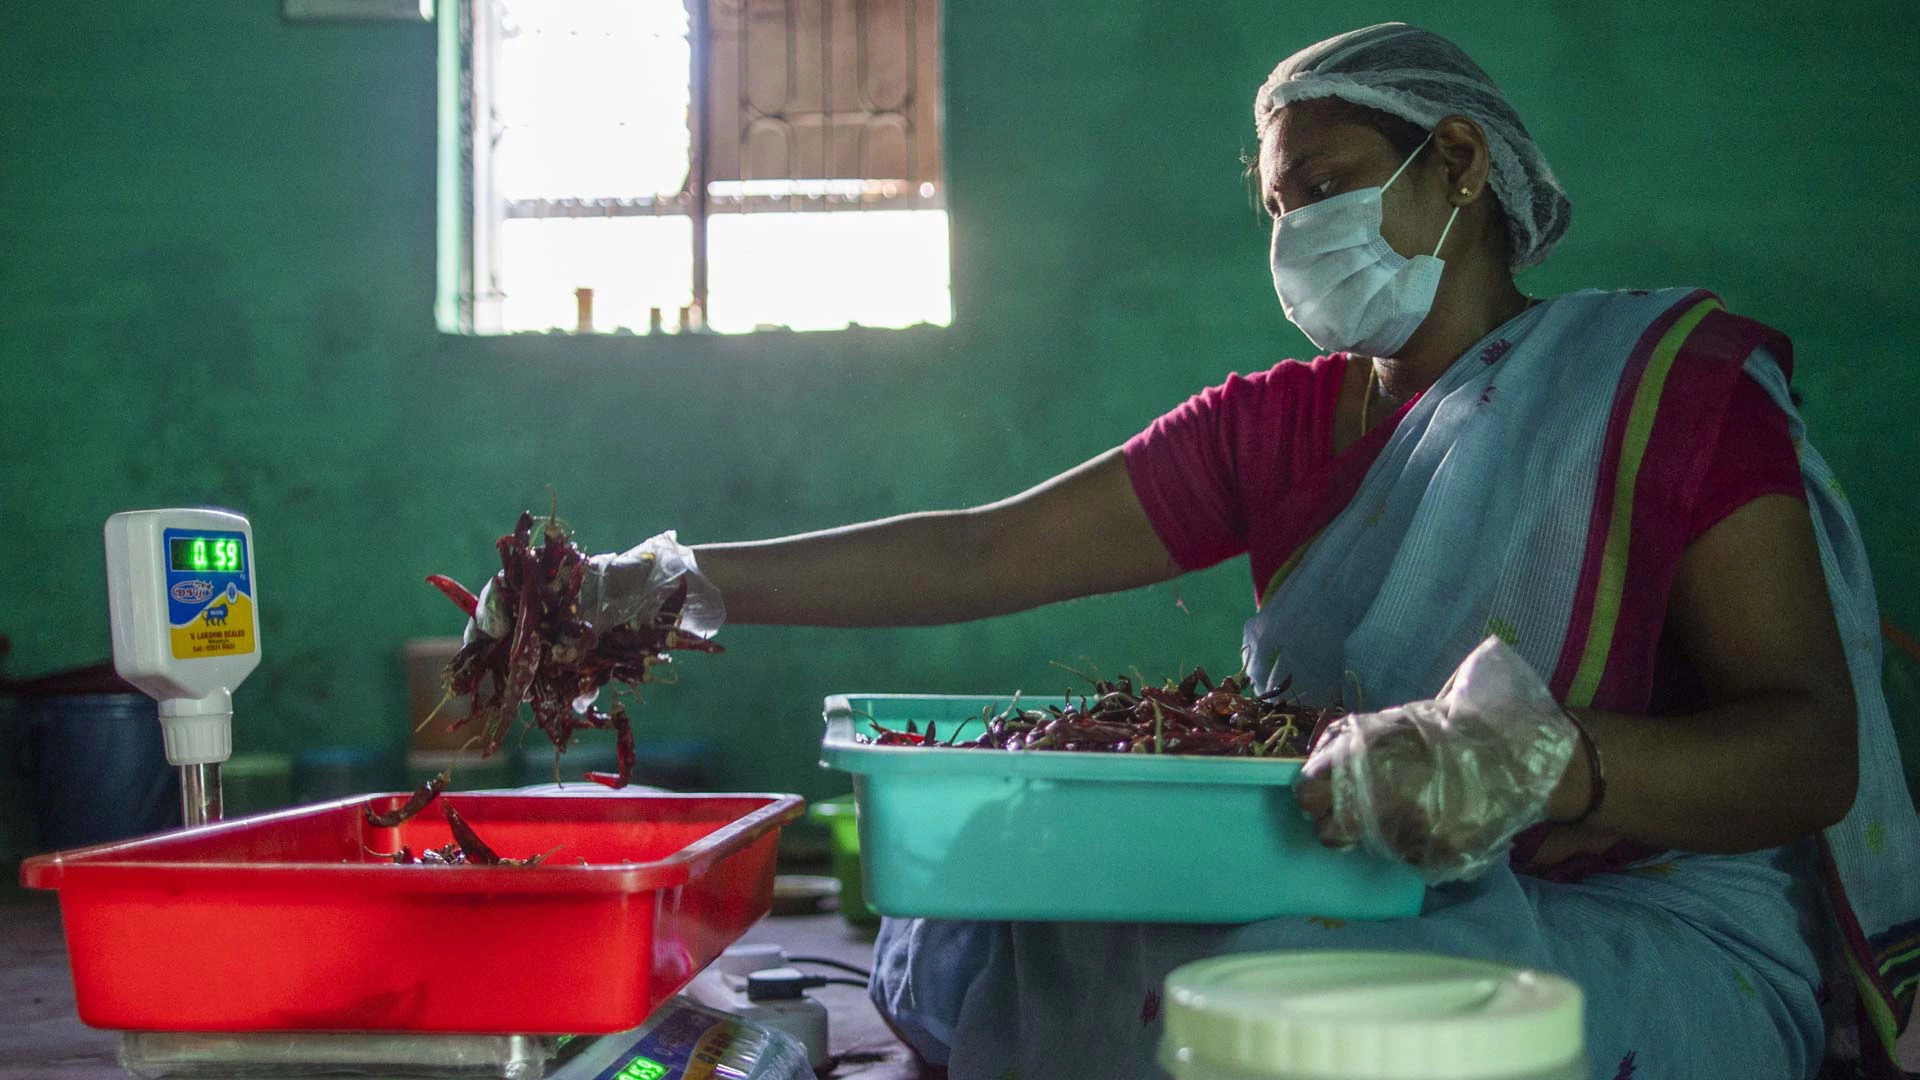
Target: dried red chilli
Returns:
[1175, 718]
[550, 657]
[468, 841]
[546, 654]
[417, 802]
[467, 849]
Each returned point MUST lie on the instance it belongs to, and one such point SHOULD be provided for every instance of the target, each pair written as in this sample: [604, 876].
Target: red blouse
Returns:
[1248, 466]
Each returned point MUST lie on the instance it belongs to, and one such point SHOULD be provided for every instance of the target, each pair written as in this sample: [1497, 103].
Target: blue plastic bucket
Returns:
[16, 831]
[97, 769]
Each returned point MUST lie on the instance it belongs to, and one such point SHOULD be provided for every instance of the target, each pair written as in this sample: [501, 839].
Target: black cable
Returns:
[862, 972]
[790, 984]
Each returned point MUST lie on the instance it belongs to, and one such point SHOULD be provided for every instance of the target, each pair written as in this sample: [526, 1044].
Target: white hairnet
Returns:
[1422, 77]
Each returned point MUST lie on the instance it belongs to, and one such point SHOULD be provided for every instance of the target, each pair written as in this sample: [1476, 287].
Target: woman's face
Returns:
[1322, 148]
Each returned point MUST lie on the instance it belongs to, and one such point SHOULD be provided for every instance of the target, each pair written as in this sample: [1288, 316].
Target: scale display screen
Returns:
[642, 1068]
[220, 554]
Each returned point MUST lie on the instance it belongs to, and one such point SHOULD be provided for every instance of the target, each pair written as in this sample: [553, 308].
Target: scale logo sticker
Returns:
[209, 594]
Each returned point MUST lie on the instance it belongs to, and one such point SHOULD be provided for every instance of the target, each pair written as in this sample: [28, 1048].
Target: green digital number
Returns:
[642, 1069]
[198, 558]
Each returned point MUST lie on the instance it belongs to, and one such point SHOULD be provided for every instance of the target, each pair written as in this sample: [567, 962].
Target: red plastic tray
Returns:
[292, 921]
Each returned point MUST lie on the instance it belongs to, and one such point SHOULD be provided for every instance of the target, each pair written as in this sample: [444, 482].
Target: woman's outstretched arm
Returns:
[1080, 533]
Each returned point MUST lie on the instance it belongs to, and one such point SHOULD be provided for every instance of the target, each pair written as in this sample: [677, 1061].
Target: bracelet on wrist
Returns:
[1596, 772]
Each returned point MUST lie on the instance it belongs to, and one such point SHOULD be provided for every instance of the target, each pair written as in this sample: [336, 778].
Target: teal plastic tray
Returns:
[1058, 836]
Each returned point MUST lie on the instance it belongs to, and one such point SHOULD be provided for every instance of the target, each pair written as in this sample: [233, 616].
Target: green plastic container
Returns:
[325, 773]
[841, 817]
[1054, 836]
[256, 783]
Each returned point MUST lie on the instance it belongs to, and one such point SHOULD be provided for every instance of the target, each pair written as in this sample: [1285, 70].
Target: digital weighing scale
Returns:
[684, 1040]
[184, 604]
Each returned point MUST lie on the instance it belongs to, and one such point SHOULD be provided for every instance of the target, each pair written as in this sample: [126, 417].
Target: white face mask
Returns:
[1339, 280]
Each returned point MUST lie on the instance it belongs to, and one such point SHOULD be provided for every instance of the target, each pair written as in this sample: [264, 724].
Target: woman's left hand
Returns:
[1443, 785]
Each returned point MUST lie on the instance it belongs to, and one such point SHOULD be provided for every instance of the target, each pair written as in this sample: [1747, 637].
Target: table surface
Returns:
[41, 1038]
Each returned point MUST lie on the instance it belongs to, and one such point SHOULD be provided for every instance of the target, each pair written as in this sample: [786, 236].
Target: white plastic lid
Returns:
[1368, 1016]
[197, 738]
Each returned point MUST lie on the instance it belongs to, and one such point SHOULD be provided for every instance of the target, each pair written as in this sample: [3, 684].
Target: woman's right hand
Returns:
[1081, 533]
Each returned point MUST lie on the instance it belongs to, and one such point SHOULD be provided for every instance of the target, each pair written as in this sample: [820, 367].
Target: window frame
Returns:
[467, 293]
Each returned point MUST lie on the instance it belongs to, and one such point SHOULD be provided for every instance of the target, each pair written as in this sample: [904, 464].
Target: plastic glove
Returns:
[626, 587]
[630, 587]
[1444, 785]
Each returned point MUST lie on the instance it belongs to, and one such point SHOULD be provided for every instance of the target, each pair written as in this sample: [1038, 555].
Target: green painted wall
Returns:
[217, 287]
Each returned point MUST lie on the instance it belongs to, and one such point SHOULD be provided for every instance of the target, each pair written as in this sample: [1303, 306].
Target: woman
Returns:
[1607, 481]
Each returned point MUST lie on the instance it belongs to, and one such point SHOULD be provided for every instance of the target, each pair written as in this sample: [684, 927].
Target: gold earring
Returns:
[1465, 191]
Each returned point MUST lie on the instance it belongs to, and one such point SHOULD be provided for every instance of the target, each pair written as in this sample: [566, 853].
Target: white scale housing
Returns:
[185, 612]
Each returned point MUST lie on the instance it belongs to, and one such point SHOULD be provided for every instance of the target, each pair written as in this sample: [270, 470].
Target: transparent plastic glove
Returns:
[1444, 785]
[630, 587]
[626, 586]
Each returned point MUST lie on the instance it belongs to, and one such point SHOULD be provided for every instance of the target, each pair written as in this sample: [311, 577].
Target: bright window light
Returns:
[824, 271]
[591, 98]
[634, 265]
[577, 155]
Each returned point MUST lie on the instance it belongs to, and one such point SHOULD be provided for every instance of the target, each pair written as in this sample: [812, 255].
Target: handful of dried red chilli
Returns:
[530, 643]
[1193, 716]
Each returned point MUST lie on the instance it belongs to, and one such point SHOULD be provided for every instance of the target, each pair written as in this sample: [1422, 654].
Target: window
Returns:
[652, 165]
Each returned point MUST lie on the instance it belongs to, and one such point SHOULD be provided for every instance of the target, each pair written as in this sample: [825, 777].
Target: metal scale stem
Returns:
[200, 794]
